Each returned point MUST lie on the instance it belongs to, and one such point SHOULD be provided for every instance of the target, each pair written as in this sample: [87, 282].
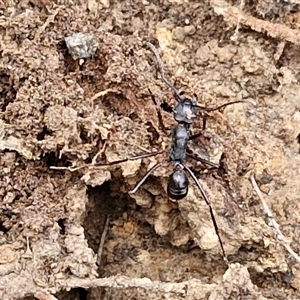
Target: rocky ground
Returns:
[68, 227]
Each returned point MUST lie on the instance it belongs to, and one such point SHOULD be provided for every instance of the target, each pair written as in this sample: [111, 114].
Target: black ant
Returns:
[184, 114]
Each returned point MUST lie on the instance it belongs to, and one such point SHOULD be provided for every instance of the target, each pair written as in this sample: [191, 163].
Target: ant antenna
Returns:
[162, 72]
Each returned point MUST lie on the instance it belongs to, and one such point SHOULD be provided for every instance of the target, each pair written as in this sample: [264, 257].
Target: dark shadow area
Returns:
[78, 294]
[279, 282]
[102, 205]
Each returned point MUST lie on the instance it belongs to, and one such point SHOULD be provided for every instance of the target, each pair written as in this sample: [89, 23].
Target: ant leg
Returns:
[155, 167]
[162, 72]
[131, 158]
[73, 169]
[204, 161]
[210, 208]
[204, 122]
[192, 137]
[207, 162]
[160, 118]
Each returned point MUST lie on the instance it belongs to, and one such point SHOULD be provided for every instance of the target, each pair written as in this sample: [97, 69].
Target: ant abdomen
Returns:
[178, 185]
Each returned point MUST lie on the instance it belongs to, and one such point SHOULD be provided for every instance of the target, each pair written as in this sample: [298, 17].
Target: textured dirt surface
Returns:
[68, 227]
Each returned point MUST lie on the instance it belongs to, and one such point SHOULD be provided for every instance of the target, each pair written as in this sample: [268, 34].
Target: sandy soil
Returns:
[68, 227]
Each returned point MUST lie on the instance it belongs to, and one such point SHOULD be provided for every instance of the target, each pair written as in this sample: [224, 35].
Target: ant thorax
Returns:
[180, 138]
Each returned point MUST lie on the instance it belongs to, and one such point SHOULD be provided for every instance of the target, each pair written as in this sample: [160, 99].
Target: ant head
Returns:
[185, 110]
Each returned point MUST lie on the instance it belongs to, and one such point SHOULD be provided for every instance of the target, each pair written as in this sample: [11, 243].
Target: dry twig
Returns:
[103, 236]
[185, 288]
[103, 93]
[44, 296]
[238, 25]
[234, 15]
[271, 221]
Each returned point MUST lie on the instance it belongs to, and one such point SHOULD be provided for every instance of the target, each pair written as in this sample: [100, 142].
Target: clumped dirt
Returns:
[68, 227]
